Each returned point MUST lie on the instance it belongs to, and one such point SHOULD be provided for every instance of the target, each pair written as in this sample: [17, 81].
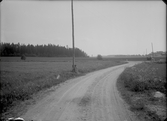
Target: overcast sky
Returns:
[101, 27]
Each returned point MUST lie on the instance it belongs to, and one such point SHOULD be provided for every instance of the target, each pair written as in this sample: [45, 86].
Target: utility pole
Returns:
[72, 15]
[152, 50]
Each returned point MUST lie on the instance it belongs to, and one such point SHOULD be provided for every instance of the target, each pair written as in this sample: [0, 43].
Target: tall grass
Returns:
[137, 85]
[144, 77]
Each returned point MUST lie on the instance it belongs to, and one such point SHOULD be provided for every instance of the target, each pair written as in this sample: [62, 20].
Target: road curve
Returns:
[92, 97]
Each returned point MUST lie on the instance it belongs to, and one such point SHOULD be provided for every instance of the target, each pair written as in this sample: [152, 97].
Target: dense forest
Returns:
[50, 50]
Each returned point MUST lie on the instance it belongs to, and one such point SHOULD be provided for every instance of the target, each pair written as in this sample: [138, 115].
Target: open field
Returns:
[21, 79]
[69, 59]
[138, 86]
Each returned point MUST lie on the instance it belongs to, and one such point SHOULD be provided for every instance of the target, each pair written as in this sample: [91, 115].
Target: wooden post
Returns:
[72, 15]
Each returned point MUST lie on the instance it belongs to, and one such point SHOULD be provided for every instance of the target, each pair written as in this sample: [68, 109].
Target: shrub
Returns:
[156, 85]
[135, 85]
[99, 57]
[23, 57]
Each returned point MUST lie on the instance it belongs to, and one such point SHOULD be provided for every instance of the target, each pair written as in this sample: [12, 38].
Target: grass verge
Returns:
[138, 85]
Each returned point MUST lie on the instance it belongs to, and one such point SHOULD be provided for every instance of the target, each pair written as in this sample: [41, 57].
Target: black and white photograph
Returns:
[83, 60]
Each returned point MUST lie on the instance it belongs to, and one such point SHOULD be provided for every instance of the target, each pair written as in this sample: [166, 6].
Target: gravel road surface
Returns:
[93, 97]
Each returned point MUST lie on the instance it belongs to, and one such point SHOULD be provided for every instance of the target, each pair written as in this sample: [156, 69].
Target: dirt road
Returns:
[92, 97]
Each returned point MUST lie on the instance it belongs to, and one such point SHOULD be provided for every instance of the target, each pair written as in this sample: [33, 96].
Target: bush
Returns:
[157, 85]
[99, 57]
[135, 85]
[139, 86]
[23, 57]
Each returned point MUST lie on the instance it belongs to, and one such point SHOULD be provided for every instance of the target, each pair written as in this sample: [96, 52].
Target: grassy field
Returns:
[21, 79]
[138, 85]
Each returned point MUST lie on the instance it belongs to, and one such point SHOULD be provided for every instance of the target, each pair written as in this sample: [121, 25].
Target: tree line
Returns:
[50, 50]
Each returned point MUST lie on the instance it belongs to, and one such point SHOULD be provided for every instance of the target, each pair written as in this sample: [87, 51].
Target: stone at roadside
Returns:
[58, 76]
[158, 94]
